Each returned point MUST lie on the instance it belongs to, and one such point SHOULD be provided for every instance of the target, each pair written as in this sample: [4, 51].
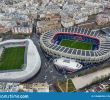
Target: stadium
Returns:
[80, 44]
[19, 60]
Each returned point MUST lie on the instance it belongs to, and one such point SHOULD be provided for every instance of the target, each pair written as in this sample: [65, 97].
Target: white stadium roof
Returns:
[32, 66]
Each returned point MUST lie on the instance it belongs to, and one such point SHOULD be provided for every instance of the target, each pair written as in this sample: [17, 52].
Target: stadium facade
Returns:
[98, 51]
[32, 61]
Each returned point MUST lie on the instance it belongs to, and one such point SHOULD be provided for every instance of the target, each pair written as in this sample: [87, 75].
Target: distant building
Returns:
[67, 22]
[48, 22]
[35, 87]
[3, 29]
[8, 87]
[22, 30]
[102, 19]
[17, 87]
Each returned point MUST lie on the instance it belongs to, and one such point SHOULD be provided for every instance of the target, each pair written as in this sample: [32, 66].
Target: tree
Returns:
[108, 89]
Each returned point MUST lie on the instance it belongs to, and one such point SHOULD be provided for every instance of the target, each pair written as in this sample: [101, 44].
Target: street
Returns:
[47, 73]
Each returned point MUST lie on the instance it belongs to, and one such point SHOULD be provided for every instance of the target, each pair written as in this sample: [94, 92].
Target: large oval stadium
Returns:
[76, 43]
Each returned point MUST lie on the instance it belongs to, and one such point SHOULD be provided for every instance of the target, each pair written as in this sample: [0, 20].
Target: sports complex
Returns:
[76, 43]
[19, 60]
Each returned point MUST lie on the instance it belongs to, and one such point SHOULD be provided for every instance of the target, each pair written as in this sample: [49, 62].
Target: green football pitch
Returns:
[76, 44]
[12, 58]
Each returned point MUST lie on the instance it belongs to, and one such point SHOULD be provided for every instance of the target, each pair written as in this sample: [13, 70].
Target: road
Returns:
[47, 73]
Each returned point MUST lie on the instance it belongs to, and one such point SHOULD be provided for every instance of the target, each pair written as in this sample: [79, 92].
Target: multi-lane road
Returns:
[47, 73]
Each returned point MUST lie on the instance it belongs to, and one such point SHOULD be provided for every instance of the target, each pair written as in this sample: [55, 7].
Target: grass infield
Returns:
[12, 58]
[76, 44]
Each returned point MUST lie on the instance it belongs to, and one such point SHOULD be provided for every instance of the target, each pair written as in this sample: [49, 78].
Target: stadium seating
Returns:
[100, 51]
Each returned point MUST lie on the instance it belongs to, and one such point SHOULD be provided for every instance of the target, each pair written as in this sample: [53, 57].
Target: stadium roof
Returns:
[32, 58]
[104, 48]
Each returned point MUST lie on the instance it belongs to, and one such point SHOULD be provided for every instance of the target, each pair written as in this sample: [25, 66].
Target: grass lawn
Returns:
[71, 86]
[66, 86]
[12, 58]
[62, 85]
[76, 44]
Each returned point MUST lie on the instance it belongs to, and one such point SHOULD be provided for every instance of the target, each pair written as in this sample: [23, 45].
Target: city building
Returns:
[34, 87]
[22, 30]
